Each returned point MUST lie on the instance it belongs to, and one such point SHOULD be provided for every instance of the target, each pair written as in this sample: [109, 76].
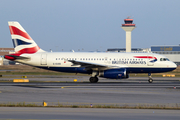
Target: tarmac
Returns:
[29, 113]
[63, 90]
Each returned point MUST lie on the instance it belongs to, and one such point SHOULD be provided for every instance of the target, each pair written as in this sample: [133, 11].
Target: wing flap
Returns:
[89, 65]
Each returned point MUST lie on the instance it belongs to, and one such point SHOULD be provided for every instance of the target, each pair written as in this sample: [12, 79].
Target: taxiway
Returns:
[132, 92]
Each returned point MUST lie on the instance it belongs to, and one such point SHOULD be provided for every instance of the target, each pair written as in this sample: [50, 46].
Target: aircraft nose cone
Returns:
[174, 65]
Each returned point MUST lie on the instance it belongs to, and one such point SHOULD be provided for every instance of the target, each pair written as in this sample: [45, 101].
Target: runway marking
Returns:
[69, 86]
[36, 119]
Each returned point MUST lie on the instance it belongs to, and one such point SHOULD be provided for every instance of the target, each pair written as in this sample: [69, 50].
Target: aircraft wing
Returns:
[89, 65]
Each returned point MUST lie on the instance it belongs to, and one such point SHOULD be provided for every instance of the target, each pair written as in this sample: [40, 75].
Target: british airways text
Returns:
[128, 62]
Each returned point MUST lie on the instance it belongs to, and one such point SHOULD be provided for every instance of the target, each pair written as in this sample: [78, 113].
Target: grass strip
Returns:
[126, 106]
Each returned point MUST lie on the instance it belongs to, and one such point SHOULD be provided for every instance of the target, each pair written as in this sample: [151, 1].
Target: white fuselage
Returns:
[131, 61]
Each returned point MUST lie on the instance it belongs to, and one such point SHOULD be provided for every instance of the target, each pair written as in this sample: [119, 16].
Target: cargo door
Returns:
[43, 59]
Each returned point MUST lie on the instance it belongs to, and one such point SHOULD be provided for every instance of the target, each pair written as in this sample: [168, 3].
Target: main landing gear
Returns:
[150, 78]
[93, 79]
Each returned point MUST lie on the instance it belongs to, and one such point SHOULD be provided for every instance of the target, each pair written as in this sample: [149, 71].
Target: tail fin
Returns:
[22, 42]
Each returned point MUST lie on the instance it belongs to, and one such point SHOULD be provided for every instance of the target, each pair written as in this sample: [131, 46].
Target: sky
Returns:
[91, 25]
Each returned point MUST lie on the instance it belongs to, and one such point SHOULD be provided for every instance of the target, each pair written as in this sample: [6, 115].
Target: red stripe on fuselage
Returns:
[16, 31]
[149, 57]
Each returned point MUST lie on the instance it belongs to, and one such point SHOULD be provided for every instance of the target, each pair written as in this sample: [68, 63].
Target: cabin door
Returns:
[43, 59]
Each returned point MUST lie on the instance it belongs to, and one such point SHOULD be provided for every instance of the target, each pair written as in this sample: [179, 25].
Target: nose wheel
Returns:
[150, 78]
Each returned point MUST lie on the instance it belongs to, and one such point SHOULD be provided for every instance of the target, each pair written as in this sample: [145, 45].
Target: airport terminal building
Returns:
[5, 51]
[132, 50]
[171, 52]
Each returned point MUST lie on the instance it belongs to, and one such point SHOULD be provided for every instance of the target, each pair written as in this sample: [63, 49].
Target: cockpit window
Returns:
[164, 59]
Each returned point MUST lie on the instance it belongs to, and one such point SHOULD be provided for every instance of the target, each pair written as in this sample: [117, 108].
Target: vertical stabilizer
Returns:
[22, 42]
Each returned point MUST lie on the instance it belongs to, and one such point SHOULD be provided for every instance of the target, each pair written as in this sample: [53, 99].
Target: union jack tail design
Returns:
[22, 42]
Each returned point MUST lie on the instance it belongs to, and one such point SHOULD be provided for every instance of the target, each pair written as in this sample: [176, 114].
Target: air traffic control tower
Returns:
[128, 27]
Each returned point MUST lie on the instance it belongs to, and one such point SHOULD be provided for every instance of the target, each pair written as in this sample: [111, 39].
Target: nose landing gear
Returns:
[150, 78]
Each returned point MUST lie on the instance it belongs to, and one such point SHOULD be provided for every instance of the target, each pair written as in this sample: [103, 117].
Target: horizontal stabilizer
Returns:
[14, 57]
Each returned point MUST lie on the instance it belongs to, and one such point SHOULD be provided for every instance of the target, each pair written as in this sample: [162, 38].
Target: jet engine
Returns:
[114, 73]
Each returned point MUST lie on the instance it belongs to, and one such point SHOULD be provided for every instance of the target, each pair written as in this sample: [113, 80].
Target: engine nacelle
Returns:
[114, 74]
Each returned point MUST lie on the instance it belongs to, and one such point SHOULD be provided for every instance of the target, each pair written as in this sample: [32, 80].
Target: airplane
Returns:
[110, 65]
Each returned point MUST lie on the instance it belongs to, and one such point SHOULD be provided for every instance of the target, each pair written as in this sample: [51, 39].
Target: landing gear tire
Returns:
[150, 80]
[93, 79]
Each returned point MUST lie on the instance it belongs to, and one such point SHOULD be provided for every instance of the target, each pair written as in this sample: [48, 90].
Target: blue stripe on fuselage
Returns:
[129, 70]
[153, 60]
[149, 70]
[68, 69]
